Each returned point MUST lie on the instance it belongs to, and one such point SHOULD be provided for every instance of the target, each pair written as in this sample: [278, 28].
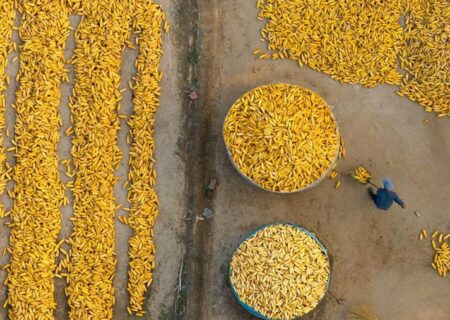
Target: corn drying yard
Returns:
[195, 159]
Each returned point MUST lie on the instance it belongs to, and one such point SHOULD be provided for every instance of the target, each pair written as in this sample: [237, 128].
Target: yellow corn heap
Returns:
[100, 38]
[281, 272]
[148, 23]
[283, 137]
[38, 192]
[427, 54]
[362, 175]
[7, 14]
[354, 41]
[440, 244]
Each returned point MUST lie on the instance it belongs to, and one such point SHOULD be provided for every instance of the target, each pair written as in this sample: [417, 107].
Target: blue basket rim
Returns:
[247, 307]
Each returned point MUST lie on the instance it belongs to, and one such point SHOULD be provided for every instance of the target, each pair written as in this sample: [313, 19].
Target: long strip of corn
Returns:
[281, 272]
[426, 56]
[100, 38]
[38, 192]
[7, 14]
[354, 41]
[283, 137]
[149, 20]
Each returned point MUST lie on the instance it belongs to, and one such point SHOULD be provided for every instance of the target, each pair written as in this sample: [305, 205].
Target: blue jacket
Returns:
[386, 198]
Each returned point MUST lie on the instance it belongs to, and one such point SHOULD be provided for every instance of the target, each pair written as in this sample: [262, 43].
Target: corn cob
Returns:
[362, 175]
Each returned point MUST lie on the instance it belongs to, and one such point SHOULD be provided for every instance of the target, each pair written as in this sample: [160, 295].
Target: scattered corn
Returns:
[38, 192]
[441, 259]
[283, 137]
[362, 175]
[100, 38]
[7, 14]
[354, 41]
[426, 55]
[281, 272]
[149, 23]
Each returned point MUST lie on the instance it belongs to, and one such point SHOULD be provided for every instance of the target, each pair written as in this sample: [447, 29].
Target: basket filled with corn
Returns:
[282, 138]
[280, 271]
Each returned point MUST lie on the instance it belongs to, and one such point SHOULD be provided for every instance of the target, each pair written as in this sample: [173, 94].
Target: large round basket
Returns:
[310, 186]
[247, 307]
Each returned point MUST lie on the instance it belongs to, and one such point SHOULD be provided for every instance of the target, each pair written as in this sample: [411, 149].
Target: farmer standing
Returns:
[385, 197]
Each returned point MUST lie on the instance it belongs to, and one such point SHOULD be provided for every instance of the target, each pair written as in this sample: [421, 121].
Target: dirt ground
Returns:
[376, 256]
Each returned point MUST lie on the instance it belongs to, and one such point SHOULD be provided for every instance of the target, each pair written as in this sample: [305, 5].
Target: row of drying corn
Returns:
[440, 244]
[38, 192]
[149, 18]
[7, 14]
[283, 137]
[281, 272]
[99, 39]
[359, 42]
[89, 265]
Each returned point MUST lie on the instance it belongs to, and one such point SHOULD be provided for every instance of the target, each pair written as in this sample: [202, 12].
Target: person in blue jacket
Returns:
[385, 197]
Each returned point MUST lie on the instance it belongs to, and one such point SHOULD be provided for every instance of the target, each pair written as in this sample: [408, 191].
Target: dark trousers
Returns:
[372, 194]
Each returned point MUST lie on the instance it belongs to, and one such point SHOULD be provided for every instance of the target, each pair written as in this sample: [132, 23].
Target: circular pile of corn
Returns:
[148, 23]
[354, 41]
[283, 137]
[281, 272]
[100, 38]
[38, 192]
[426, 56]
[8, 14]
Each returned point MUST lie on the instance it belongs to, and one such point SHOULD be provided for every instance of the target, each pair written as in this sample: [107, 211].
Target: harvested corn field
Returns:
[426, 56]
[148, 23]
[281, 272]
[100, 39]
[353, 41]
[38, 193]
[283, 137]
[8, 14]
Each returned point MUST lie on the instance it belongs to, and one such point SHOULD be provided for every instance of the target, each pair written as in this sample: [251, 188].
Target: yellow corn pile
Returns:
[38, 192]
[281, 272]
[7, 14]
[440, 244]
[283, 137]
[354, 41]
[100, 38]
[362, 175]
[426, 56]
[148, 23]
